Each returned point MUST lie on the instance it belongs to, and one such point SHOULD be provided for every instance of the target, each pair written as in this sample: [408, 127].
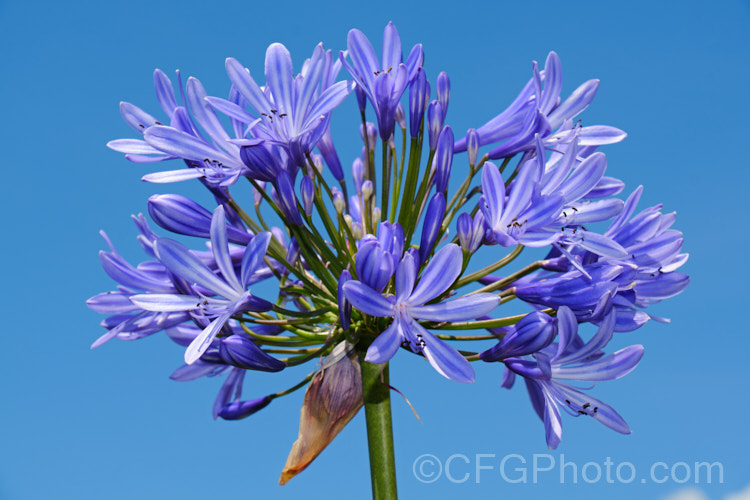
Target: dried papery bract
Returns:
[332, 399]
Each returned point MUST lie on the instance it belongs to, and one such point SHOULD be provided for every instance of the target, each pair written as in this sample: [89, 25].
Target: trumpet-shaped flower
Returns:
[547, 375]
[533, 213]
[538, 110]
[196, 136]
[291, 111]
[382, 82]
[230, 292]
[127, 321]
[411, 303]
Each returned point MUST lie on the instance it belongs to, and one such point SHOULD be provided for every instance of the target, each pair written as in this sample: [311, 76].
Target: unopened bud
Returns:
[367, 189]
[307, 193]
[357, 230]
[317, 162]
[358, 172]
[434, 122]
[339, 203]
[443, 159]
[472, 146]
[419, 94]
[400, 116]
[443, 91]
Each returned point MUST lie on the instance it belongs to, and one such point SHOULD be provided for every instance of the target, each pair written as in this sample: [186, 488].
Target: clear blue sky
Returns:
[110, 424]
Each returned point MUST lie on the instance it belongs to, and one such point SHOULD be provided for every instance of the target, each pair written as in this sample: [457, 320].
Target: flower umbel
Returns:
[303, 267]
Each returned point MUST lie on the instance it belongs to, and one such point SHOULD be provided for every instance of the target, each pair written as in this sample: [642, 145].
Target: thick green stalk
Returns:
[377, 398]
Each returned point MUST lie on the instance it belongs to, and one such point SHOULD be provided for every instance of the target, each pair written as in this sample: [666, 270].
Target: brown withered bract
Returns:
[332, 399]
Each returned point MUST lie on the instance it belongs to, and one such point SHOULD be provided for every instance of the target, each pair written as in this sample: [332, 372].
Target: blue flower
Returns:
[182, 215]
[196, 136]
[377, 258]
[409, 304]
[292, 111]
[538, 110]
[229, 293]
[537, 211]
[382, 82]
[653, 252]
[589, 295]
[127, 321]
[570, 359]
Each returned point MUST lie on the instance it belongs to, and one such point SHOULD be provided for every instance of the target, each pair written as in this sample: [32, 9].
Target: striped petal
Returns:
[165, 302]
[439, 274]
[447, 361]
[461, 309]
[202, 342]
[386, 344]
[181, 262]
[367, 300]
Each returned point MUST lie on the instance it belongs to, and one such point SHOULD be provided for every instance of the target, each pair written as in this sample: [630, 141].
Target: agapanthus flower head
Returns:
[360, 271]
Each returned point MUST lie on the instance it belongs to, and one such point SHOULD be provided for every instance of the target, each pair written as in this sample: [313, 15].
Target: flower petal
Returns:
[391, 47]
[246, 86]
[439, 274]
[255, 253]
[386, 344]
[182, 174]
[406, 276]
[165, 302]
[447, 361]
[493, 188]
[199, 345]
[133, 146]
[573, 105]
[367, 300]
[220, 248]
[461, 309]
[279, 76]
[610, 367]
[164, 92]
[205, 115]
[178, 143]
[181, 262]
[363, 56]
[328, 100]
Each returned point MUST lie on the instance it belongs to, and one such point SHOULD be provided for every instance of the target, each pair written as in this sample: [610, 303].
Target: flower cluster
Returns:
[388, 263]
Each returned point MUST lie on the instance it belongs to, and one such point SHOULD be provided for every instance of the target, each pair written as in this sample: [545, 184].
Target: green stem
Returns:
[386, 177]
[489, 269]
[486, 323]
[377, 399]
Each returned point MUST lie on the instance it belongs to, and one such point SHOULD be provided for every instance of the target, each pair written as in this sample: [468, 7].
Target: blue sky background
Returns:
[110, 424]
